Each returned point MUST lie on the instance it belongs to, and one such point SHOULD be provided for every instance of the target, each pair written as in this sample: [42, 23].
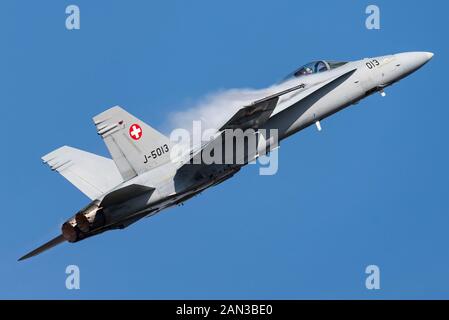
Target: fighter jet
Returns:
[143, 178]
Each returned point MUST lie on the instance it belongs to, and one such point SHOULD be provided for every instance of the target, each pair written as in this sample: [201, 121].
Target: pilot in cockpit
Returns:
[315, 67]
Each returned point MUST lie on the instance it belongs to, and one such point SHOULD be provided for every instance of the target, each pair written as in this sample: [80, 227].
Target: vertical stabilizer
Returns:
[134, 146]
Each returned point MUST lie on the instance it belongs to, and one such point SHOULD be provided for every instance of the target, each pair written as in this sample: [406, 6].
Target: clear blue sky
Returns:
[371, 188]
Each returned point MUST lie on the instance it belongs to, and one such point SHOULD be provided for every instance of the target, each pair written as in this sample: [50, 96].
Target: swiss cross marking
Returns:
[135, 131]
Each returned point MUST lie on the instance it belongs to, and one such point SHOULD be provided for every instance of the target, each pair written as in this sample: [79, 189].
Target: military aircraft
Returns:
[142, 178]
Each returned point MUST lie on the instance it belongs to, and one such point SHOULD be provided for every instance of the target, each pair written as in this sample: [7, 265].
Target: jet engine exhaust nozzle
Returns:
[69, 232]
[86, 220]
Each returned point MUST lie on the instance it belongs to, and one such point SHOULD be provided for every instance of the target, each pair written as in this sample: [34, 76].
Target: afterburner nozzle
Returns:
[69, 232]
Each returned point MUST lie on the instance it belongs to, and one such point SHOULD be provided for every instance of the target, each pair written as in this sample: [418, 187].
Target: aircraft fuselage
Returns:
[305, 98]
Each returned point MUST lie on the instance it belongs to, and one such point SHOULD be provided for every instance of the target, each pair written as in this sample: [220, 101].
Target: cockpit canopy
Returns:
[315, 67]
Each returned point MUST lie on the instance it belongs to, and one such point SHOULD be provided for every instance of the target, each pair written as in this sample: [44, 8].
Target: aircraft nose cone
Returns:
[429, 55]
[412, 61]
[422, 57]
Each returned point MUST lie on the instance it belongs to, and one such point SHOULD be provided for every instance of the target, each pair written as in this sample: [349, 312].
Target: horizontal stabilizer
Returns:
[91, 174]
[50, 244]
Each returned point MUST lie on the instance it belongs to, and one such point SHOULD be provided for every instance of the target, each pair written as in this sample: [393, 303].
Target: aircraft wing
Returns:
[257, 113]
